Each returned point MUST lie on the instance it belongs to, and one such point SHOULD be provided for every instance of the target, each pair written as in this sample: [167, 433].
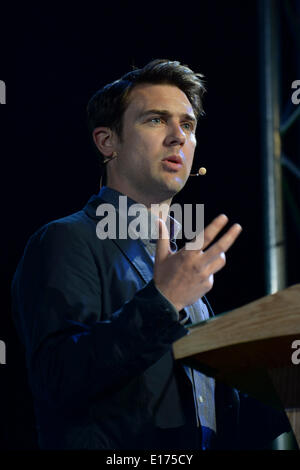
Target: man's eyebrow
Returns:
[165, 113]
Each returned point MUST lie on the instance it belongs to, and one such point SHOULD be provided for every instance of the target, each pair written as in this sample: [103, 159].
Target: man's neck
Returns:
[155, 204]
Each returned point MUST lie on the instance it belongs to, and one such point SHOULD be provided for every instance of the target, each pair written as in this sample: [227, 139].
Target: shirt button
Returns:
[200, 398]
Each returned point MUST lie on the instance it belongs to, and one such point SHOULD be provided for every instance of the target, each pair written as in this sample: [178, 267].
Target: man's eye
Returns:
[156, 120]
[188, 126]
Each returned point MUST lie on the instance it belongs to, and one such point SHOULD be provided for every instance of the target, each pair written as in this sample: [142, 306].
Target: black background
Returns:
[53, 58]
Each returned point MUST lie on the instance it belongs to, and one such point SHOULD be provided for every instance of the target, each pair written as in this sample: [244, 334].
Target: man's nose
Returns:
[175, 135]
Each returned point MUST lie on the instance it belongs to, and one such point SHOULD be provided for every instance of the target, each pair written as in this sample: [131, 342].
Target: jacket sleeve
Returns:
[73, 355]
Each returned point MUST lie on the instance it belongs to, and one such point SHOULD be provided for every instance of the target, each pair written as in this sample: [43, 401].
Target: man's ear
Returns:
[104, 140]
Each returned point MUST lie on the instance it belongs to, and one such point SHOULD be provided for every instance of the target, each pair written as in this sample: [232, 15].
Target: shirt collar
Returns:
[112, 196]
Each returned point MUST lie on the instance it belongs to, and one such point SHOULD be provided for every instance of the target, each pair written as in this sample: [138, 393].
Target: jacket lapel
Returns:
[133, 250]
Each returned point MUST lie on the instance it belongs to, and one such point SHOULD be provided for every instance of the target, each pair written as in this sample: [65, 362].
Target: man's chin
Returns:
[172, 187]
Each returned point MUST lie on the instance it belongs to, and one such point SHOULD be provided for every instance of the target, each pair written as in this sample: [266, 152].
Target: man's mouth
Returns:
[172, 163]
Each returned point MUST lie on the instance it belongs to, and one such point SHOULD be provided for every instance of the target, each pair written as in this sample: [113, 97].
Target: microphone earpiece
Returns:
[201, 171]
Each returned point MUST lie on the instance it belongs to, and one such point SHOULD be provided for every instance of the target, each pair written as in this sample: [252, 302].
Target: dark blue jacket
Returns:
[98, 337]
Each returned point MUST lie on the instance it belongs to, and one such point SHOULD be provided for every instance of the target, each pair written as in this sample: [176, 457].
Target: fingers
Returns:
[205, 238]
[163, 242]
[213, 259]
[213, 229]
[217, 264]
[225, 242]
[186, 276]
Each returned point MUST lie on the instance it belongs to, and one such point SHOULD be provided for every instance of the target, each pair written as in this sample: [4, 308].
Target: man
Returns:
[98, 315]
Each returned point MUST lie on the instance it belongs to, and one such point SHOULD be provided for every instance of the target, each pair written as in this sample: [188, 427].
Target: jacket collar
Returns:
[133, 250]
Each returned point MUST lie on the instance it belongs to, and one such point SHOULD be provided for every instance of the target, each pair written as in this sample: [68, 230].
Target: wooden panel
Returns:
[272, 316]
[240, 346]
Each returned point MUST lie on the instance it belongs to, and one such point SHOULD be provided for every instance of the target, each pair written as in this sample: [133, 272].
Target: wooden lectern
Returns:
[238, 347]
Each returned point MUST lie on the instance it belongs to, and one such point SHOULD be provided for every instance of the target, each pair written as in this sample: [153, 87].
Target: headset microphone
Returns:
[201, 171]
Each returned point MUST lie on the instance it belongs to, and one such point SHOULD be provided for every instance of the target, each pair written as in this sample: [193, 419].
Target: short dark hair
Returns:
[107, 106]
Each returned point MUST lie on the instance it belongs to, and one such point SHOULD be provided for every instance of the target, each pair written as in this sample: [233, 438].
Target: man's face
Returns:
[156, 151]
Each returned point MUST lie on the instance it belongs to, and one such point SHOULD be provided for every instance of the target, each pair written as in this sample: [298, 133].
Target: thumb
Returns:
[163, 243]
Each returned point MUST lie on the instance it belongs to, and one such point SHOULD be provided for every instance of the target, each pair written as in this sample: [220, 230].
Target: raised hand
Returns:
[185, 276]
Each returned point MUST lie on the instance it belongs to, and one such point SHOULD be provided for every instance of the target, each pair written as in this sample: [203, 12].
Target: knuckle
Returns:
[209, 282]
[204, 275]
[223, 258]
